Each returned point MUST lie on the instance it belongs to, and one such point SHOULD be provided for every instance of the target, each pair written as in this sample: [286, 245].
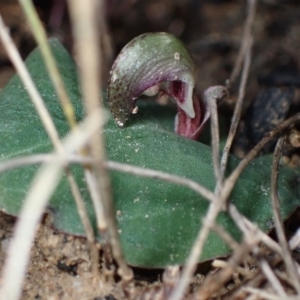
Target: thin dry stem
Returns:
[245, 225]
[193, 185]
[41, 39]
[83, 214]
[111, 165]
[214, 208]
[212, 96]
[224, 192]
[215, 281]
[215, 143]
[261, 294]
[34, 206]
[268, 272]
[50, 129]
[217, 263]
[231, 180]
[211, 215]
[213, 211]
[287, 258]
[232, 243]
[244, 45]
[41, 158]
[259, 279]
[35, 97]
[238, 108]
[85, 16]
[283, 276]
[93, 189]
[196, 251]
[155, 174]
[25, 229]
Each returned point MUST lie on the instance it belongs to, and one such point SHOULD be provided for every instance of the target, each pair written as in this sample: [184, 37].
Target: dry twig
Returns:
[84, 17]
[140, 171]
[51, 131]
[217, 263]
[41, 39]
[214, 208]
[231, 180]
[215, 143]
[287, 258]
[238, 107]
[232, 243]
[212, 283]
[34, 206]
[261, 294]
[244, 45]
[275, 283]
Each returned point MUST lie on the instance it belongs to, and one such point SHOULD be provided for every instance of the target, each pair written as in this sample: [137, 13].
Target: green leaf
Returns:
[158, 221]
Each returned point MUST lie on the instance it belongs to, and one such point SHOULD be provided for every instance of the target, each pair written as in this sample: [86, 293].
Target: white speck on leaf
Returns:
[135, 110]
[114, 77]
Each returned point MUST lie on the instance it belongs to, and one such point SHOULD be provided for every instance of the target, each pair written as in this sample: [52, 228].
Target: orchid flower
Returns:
[153, 63]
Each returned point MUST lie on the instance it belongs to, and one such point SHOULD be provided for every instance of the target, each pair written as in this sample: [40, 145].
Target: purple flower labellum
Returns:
[153, 63]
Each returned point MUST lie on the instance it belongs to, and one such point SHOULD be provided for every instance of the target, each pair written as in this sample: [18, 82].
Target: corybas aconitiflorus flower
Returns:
[152, 63]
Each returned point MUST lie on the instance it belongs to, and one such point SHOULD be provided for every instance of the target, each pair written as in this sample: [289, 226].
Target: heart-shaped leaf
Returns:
[158, 221]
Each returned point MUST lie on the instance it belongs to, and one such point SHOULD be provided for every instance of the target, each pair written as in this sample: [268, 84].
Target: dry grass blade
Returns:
[25, 229]
[214, 208]
[245, 225]
[41, 158]
[111, 165]
[34, 206]
[223, 264]
[266, 269]
[228, 185]
[231, 180]
[41, 38]
[232, 243]
[36, 99]
[238, 107]
[214, 282]
[215, 143]
[287, 258]
[259, 294]
[140, 171]
[284, 277]
[259, 279]
[195, 253]
[244, 45]
[212, 96]
[84, 17]
[51, 130]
